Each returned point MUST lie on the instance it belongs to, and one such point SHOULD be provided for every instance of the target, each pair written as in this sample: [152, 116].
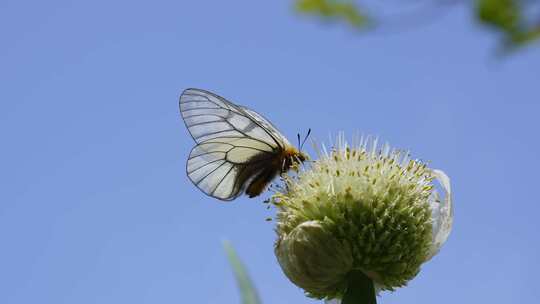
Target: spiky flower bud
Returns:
[361, 208]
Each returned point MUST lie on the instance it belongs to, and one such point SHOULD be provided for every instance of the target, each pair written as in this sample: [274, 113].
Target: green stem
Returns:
[360, 289]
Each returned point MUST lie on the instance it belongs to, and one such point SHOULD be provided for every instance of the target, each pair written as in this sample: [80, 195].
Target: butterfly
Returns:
[237, 149]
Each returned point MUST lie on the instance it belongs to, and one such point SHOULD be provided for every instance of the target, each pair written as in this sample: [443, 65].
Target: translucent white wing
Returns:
[221, 167]
[267, 125]
[210, 116]
[234, 143]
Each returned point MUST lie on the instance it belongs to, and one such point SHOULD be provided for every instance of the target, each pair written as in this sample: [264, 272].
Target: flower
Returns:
[366, 208]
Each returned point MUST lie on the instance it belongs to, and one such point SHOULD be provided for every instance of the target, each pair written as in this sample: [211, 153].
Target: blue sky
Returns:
[95, 205]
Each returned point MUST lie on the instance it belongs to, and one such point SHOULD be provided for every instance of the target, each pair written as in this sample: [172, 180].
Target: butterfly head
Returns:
[301, 157]
[292, 158]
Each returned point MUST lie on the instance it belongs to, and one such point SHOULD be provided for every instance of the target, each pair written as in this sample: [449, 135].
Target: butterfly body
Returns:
[279, 165]
[237, 149]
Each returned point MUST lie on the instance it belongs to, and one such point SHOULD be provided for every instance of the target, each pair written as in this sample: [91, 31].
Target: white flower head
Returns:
[365, 208]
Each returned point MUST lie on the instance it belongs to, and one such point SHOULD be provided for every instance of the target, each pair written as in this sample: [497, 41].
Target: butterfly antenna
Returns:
[305, 138]
[298, 137]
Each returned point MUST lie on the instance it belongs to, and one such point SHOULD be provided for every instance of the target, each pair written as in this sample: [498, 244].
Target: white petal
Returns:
[442, 213]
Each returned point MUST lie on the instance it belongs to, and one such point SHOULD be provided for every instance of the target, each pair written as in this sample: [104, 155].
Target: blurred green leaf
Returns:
[528, 35]
[504, 15]
[333, 9]
[507, 16]
[247, 289]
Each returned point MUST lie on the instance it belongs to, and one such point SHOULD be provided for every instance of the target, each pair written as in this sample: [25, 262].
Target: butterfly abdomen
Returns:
[261, 181]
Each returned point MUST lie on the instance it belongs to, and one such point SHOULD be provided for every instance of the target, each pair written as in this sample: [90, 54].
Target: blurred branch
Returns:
[247, 289]
[429, 13]
[511, 18]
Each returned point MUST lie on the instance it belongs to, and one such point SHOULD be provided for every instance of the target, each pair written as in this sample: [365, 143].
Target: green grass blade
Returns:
[247, 289]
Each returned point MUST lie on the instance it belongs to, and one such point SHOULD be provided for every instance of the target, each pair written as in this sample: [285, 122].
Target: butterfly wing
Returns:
[267, 125]
[234, 144]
